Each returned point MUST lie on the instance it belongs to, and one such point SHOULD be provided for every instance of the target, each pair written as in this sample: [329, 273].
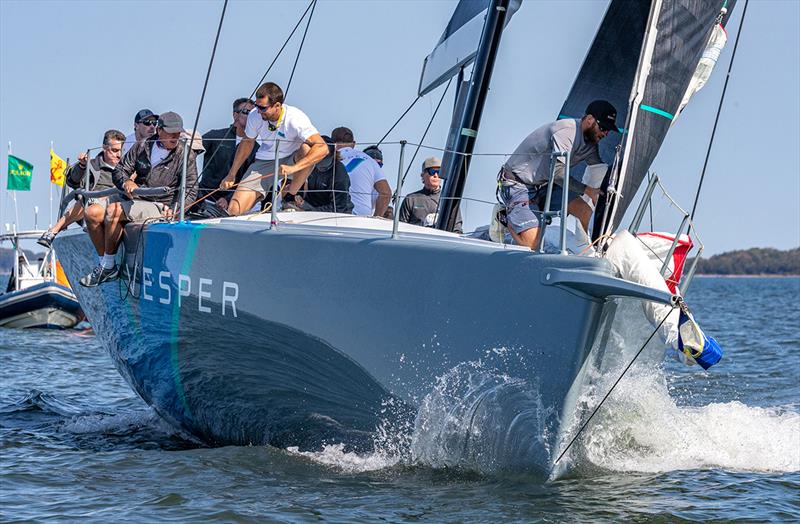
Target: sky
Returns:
[71, 70]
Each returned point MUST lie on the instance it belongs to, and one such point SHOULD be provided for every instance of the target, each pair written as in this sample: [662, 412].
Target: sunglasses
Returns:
[263, 109]
[432, 171]
[149, 122]
[243, 111]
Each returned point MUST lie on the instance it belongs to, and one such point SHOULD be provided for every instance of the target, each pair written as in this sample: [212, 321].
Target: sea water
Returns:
[670, 444]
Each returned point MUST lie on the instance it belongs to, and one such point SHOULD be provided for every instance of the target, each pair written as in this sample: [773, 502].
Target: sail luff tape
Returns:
[659, 112]
[469, 132]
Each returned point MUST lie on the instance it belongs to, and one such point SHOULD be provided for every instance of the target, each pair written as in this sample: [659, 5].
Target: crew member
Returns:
[328, 186]
[144, 125]
[369, 188]
[155, 162]
[421, 207]
[100, 169]
[524, 176]
[220, 146]
[300, 147]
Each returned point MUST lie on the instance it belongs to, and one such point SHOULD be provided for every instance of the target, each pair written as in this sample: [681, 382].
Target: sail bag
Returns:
[695, 344]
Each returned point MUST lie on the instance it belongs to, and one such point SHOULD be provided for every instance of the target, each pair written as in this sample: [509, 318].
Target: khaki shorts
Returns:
[138, 209]
[253, 180]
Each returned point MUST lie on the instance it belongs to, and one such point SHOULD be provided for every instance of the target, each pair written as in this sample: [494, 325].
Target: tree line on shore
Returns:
[753, 261]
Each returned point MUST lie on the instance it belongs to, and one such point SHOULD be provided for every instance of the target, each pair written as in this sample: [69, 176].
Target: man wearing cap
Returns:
[144, 125]
[421, 207]
[524, 176]
[299, 147]
[369, 189]
[375, 153]
[155, 162]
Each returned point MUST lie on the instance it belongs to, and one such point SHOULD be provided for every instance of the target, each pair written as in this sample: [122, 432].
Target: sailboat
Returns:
[37, 295]
[306, 329]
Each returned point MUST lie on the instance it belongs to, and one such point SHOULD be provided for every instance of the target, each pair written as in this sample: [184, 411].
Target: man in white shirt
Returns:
[369, 189]
[300, 147]
[144, 126]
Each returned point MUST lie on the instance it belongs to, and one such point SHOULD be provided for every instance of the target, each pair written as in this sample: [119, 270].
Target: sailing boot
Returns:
[100, 275]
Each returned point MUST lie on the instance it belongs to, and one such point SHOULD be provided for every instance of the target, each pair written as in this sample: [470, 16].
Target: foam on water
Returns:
[643, 428]
[336, 457]
[110, 424]
[476, 417]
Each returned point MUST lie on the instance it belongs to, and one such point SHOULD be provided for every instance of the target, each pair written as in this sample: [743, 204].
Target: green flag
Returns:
[19, 174]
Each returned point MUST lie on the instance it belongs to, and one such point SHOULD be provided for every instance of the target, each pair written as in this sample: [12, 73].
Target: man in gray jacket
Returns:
[100, 169]
[155, 162]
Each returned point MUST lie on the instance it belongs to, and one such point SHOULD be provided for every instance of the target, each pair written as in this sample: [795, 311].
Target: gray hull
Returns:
[307, 334]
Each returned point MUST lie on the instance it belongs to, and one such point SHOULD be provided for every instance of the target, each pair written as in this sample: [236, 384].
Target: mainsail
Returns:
[459, 43]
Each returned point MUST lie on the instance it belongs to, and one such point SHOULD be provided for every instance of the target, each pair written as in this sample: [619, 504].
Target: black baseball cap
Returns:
[374, 152]
[141, 115]
[605, 114]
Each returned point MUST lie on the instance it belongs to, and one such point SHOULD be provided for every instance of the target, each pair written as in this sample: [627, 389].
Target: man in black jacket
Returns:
[220, 146]
[328, 185]
[156, 162]
[421, 207]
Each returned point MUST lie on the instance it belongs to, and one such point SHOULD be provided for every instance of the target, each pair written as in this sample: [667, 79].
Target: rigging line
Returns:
[398, 120]
[300, 50]
[285, 43]
[208, 74]
[571, 442]
[421, 140]
[719, 110]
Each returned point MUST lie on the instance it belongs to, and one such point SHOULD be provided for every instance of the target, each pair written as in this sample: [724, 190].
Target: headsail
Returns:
[682, 28]
[459, 43]
[609, 70]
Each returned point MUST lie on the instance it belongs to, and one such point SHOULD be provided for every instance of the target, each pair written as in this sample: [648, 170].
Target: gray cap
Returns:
[431, 162]
[171, 122]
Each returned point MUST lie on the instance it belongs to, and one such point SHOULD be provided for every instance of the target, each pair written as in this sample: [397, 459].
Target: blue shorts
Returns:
[522, 204]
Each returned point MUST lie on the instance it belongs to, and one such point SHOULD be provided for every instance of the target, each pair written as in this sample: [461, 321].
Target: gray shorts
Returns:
[259, 177]
[138, 209]
[524, 204]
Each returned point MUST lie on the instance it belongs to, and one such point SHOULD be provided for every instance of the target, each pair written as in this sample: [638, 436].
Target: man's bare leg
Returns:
[243, 201]
[95, 216]
[582, 211]
[74, 214]
[114, 227]
[528, 238]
